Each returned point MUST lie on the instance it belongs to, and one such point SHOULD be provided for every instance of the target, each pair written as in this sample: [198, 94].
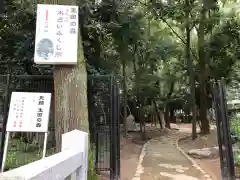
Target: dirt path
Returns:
[211, 166]
[161, 160]
[129, 159]
[131, 147]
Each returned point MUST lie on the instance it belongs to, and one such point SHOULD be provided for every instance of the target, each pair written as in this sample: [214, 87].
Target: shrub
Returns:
[235, 125]
[91, 170]
[237, 158]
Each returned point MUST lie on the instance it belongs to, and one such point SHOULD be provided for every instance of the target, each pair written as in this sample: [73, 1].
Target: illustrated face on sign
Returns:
[45, 48]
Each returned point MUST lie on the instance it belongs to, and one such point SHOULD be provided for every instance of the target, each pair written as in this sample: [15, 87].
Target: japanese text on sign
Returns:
[40, 111]
[18, 109]
[29, 112]
[56, 34]
[59, 33]
[46, 22]
[73, 23]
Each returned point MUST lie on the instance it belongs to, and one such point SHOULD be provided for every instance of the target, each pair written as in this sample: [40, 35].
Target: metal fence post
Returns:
[118, 129]
[116, 132]
[111, 109]
[219, 126]
[5, 114]
[226, 130]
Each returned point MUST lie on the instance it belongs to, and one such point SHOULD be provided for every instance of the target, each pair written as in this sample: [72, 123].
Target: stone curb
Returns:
[194, 164]
[140, 169]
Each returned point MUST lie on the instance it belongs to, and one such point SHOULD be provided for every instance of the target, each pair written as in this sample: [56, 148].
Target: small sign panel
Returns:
[29, 112]
[56, 40]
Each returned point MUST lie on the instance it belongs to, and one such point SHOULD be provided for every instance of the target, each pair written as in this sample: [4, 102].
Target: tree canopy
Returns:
[144, 39]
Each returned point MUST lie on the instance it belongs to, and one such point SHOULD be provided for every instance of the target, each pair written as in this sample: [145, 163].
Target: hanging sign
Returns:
[56, 40]
[29, 112]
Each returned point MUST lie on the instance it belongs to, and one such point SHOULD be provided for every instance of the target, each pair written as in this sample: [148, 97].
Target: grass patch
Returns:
[21, 153]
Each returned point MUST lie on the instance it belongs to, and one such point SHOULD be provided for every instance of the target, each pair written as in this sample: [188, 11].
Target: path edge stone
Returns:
[140, 168]
[194, 163]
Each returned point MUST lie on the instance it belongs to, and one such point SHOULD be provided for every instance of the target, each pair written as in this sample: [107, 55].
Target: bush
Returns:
[21, 153]
[92, 175]
[235, 125]
[237, 158]
[235, 136]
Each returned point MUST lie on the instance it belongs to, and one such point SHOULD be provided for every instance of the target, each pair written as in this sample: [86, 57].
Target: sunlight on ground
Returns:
[178, 168]
[178, 176]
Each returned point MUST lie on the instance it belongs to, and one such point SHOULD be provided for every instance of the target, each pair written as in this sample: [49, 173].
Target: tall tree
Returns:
[70, 91]
[203, 71]
[190, 68]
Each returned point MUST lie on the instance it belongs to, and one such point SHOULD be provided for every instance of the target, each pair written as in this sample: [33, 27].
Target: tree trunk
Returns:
[125, 96]
[70, 92]
[190, 70]
[142, 124]
[166, 117]
[71, 110]
[171, 115]
[139, 102]
[167, 107]
[154, 114]
[202, 75]
[158, 114]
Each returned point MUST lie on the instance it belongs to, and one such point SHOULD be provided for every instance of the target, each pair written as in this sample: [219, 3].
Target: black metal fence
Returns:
[226, 138]
[21, 83]
[104, 124]
[103, 105]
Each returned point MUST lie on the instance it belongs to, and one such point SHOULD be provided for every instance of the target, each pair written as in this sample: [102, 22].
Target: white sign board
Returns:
[56, 38]
[29, 112]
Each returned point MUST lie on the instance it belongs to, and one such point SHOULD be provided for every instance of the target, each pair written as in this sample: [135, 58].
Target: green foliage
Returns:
[237, 158]
[146, 36]
[91, 171]
[150, 33]
[235, 125]
[235, 128]
[21, 153]
[224, 50]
